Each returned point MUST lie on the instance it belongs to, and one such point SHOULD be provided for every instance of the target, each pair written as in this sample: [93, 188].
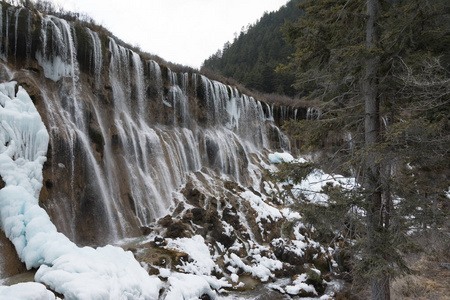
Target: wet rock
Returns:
[284, 254]
[132, 250]
[254, 191]
[205, 297]
[230, 216]
[198, 214]
[166, 221]
[233, 186]
[177, 230]
[188, 217]
[10, 263]
[30, 86]
[2, 183]
[212, 151]
[179, 209]
[145, 230]
[194, 196]
[159, 241]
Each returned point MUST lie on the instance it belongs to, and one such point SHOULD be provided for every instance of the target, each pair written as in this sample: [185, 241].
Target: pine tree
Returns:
[366, 61]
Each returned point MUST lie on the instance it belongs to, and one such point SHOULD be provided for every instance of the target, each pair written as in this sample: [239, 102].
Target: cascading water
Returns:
[136, 152]
[96, 55]
[130, 142]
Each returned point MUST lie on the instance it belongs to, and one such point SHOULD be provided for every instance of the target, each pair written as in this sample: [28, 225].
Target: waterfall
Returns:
[313, 113]
[97, 56]
[60, 264]
[128, 140]
[8, 14]
[125, 144]
[1, 33]
[15, 32]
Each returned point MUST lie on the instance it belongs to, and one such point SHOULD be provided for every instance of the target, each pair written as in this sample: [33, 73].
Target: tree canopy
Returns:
[255, 53]
[381, 71]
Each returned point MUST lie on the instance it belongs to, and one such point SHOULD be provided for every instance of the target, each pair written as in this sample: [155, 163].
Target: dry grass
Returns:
[416, 287]
[429, 280]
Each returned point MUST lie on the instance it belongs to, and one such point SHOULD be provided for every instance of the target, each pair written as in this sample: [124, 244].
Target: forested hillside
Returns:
[255, 54]
[380, 73]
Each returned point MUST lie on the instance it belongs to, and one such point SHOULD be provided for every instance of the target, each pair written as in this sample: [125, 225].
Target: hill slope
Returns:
[253, 56]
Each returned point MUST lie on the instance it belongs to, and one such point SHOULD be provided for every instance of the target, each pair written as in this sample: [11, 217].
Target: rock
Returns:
[2, 183]
[188, 217]
[166, 221]
[198, 214]
[177, 230]
[213, 202]
[321, 263]
[48, 184]
[316, 281]
[153, 271]
[10, 263]
[220, 235]
[233, 186]
[194, 196]
[254, 191]
[145, 230]
[132, 250]
[160, 241]
[230, 216]
[30, 86]
[179, 209]
[205, 297]
[283, 253]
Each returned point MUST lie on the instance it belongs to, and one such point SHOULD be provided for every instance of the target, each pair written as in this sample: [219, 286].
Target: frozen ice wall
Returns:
[78, 273]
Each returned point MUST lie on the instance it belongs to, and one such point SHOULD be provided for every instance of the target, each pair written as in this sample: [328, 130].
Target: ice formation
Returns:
[78, 273]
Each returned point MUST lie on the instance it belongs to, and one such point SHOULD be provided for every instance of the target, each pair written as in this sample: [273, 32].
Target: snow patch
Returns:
[198, 251]
[278, 158]
[26, 291]
[300, 284]
[264, 210]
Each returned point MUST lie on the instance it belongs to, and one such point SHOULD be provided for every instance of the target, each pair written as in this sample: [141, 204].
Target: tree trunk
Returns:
[372, 180]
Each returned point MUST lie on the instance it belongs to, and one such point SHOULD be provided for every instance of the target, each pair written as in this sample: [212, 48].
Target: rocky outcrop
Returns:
[10, 265]
[124, 129]
[139, 150]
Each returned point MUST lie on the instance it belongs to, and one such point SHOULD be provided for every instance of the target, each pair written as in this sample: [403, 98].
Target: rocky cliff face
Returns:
[126, 131]
[169, 158]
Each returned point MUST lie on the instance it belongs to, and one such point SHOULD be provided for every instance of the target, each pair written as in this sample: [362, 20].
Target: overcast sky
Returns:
[181, 31]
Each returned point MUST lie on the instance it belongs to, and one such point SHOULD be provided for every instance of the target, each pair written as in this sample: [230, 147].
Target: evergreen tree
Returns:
[370, 64]
[256, 52]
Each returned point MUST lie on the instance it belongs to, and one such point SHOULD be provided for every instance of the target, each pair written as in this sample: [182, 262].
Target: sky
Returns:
[180, 31]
